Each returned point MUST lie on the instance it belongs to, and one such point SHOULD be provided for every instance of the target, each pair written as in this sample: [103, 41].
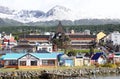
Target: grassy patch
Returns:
[83, 51]
[7, 69]
[43, 68]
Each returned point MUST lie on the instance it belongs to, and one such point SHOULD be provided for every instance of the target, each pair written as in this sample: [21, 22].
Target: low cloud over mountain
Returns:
[25, 16]
[37, 17]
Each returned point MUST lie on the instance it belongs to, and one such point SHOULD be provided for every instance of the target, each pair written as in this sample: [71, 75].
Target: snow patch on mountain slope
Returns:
[26, 16]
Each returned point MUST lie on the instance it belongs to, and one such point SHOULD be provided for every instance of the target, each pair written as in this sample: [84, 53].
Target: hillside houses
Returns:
[77, 40]
[113, 37]
[7, 41]
[37, 50]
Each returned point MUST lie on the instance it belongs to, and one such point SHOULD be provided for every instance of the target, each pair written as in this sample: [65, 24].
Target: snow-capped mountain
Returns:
[57, 9]
[59, 13]
[37, 17]
[25, 16]
[6, 10]
[26, 13]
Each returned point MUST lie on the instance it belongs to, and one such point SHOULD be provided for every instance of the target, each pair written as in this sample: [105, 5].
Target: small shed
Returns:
[66, 60]
[79, 61]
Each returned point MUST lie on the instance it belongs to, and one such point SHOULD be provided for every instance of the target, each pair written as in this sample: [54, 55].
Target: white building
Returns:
[45, 46]
[114, 37]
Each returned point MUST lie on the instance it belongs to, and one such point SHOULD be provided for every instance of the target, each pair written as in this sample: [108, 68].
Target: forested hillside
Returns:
[93, 28]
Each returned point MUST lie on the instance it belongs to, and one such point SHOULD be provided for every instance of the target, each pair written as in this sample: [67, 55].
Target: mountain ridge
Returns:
[39, 18]
[26, 16]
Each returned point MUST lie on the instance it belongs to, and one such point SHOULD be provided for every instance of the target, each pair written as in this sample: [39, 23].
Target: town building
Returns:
[113, 37]
[80, 60]
[7, 41]
[81, 41]
[100, 35]
[98, 58]
[45, 46]
[35, 38]
[77, 40]
[66, 60]
[29, 60]
[116, 57]
[23, 48]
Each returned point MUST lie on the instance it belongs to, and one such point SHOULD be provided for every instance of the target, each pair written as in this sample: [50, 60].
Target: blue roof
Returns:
[45, 55]
[12, 56]
[16, 56]
[96, 56]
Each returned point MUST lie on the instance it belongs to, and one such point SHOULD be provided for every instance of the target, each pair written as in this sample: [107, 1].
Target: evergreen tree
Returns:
[61, 40]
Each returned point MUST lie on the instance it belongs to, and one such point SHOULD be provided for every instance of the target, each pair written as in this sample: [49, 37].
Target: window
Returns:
[45, 62]
[33, 63]
[44, 48]
[22, 63]
[13, 63]
[80, 42]
[48, 62]
[49, 49]
[51, 62]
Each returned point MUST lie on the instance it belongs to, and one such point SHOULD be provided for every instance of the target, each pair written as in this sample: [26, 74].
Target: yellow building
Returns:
[78, 61]
[100, 35]
[81, 61]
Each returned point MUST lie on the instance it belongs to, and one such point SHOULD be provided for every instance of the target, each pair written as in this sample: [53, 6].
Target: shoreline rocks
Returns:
[59, 73]
[84, 73]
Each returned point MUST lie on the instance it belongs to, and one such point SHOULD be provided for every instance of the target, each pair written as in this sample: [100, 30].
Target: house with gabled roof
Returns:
[29, 60]
[99, 58]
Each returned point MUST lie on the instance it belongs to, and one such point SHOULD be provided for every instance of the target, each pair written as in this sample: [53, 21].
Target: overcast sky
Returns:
[89, 8]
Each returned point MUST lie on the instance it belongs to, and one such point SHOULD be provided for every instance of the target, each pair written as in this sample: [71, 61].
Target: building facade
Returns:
[77, 40]
[45, 46]
[29, 60]
[81, 41]
[114, 38]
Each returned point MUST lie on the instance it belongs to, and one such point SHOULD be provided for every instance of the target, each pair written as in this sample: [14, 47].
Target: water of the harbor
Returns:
[98, 77]
[108, 77]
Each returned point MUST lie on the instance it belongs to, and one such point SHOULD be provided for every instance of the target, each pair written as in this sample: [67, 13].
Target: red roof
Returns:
[9, 40]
